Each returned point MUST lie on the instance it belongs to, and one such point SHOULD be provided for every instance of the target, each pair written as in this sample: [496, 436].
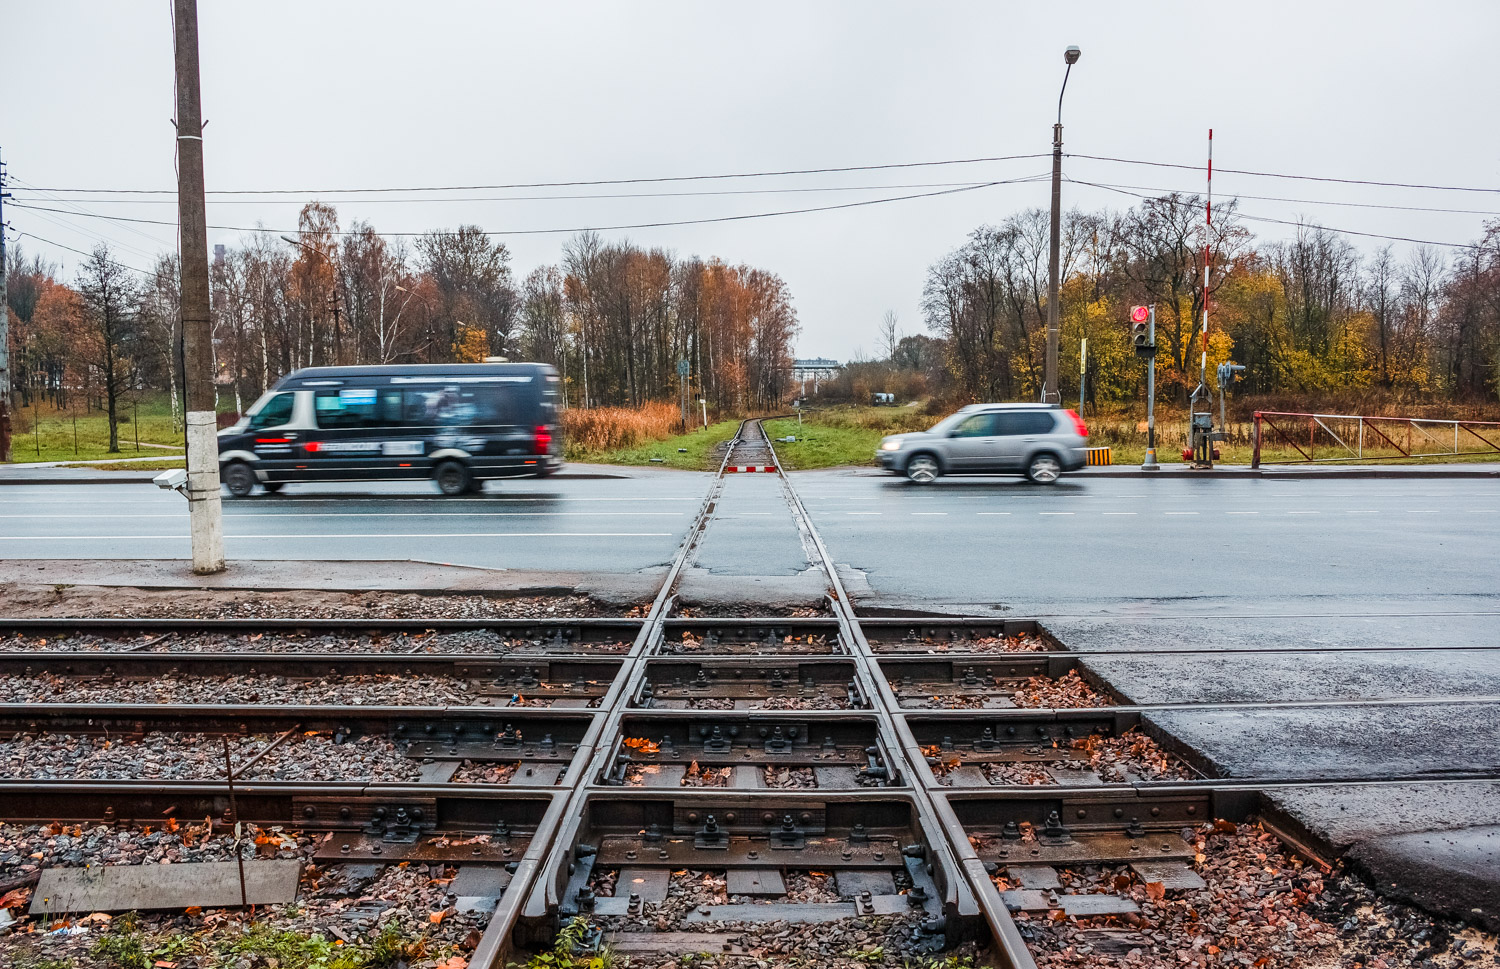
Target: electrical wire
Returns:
[1308, 225]
[785, 172]
[1303, 178]
[1275, 198]
[550, 198]
[87, 255]
[568, 184]
[602, 228]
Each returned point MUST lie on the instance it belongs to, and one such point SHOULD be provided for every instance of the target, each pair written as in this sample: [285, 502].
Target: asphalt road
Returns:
[590, 525]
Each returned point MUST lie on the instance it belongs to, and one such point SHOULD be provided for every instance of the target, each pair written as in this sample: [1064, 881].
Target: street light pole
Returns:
[1051, 391]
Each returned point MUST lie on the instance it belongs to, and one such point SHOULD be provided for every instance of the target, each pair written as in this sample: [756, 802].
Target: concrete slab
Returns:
[1293, 677]
[123, 888]
[1448, 872]
[705, 589]
[755, 882]
[1337, 742]
[1340, 817]
[649, 883]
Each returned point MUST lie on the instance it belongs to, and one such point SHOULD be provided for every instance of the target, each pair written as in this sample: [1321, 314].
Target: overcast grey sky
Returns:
[324, 95]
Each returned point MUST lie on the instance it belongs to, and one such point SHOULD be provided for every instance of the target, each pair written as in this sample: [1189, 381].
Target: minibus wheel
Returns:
[239, 479]
[453, 478]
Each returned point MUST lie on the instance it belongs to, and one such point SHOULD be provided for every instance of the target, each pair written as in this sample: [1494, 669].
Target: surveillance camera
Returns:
[173, 480]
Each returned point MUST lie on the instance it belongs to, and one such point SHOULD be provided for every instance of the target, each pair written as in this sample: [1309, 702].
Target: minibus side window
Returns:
[347, 407]
[276, 412]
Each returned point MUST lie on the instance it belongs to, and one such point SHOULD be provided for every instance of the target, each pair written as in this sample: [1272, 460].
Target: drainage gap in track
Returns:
[734, 637]
[750, 683]
[957, 636]
[984, 683]
[682, 749]
[563, 637]
[1060, 749]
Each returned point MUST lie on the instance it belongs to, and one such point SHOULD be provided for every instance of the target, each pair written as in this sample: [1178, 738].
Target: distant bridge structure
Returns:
[815, 369]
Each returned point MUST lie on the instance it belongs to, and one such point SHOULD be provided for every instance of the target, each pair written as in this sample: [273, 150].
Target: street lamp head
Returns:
[1071, 55]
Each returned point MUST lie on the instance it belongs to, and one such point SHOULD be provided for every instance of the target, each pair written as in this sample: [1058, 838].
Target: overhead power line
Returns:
[551, 198]
[568, 184]
[598, 228]
[87, 255]
[1302, 178]
[1277, 198]
[413, 189]
[1309, 225]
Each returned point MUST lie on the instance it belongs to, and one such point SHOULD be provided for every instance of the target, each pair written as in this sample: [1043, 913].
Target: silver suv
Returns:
[1040, 441]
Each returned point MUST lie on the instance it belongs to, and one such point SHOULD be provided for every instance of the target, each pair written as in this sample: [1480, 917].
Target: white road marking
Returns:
[929, 513]
[1422, 511]
[994, 513]
[1304, 513]
[1120, 513]
[299, 535]
[390, 514]
[1233, 513]
[1181, 513]
[864, 513]
[1360, 512]
[1054, 513]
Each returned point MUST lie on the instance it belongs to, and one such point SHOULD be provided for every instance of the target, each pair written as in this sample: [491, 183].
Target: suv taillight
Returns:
[1078, 424]
[542, 442]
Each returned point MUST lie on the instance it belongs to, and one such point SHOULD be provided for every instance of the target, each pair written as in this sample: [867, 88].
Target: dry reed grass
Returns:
[611, 428]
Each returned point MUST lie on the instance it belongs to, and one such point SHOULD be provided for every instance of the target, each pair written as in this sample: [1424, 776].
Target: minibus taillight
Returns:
[542, 443]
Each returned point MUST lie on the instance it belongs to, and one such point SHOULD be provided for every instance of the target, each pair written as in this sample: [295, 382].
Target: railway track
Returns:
[833, 790]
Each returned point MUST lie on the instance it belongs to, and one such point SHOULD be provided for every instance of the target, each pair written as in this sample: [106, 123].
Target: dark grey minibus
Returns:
[459, 424]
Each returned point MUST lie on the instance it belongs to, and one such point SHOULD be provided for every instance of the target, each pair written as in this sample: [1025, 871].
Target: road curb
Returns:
[1309, 474]
[127, 477]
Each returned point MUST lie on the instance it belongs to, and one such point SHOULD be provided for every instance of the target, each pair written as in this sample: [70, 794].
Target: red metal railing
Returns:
[1353, 437]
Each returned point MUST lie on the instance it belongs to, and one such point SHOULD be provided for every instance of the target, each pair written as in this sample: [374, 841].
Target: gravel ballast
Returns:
[193, 756]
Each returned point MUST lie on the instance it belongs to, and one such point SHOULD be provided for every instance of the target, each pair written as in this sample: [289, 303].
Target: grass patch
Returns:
[46, 433]
[841, 436]
[695, 454]
[819, 446]
[126, 947]
[161, 465]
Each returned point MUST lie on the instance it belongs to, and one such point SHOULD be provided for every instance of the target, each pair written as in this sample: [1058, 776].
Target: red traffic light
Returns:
[1138, 314]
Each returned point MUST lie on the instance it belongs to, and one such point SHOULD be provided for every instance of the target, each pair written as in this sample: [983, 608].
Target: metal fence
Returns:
[1352, 437]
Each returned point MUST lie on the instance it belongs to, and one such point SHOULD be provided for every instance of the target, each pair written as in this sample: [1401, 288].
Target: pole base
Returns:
[1150, 463]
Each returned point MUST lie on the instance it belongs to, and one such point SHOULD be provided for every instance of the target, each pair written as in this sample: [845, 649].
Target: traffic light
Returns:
[1229, 374]
[1139, 334]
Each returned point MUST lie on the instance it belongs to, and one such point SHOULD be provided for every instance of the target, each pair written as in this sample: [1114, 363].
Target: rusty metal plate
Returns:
[128, 888]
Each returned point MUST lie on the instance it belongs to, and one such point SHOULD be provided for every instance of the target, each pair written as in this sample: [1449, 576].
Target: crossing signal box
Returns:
[1140, 336]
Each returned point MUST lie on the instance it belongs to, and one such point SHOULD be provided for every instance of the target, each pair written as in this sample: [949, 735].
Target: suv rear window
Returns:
[1026, 422]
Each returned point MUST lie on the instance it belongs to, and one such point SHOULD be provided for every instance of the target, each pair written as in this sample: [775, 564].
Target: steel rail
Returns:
[537, 891]
[945, 834]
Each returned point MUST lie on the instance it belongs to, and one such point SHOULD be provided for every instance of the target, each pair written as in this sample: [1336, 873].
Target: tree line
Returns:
[615, 318]
[1311, 315]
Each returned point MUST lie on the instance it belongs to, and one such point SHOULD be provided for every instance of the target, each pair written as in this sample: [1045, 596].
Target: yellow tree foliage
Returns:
[470, 344]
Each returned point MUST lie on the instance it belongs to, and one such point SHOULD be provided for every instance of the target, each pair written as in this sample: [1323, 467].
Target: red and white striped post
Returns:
[1208, 228]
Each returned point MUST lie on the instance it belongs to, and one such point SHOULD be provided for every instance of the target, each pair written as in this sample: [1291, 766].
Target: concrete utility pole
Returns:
[205, 516]
[1051, 392]
[4, 331]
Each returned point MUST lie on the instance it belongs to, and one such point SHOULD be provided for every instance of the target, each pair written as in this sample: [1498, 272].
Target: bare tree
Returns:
[109, 300]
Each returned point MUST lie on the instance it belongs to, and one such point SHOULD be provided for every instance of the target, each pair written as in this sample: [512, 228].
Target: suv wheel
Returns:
[453, 479]
[923, 469]
[1044, 469]
[239, 479]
